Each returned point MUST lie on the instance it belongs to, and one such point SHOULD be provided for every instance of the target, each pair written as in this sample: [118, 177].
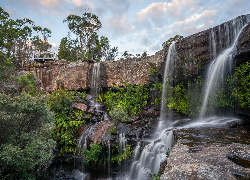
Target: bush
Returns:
[127, 101]
[243, 78]
[67, 120]
[119, 115]
[25, 141]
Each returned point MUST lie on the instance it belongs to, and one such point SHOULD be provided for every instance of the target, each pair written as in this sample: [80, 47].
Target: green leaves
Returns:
[25, 141]
[127, 101]
[171, 40]
[243, 89]
[92, 156]
[67, 120]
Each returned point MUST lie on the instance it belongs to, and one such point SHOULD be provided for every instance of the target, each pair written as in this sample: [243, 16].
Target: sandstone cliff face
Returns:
[194, 53]
[71, 76]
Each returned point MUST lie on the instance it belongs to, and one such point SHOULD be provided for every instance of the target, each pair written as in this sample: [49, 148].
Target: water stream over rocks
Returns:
[195, 138]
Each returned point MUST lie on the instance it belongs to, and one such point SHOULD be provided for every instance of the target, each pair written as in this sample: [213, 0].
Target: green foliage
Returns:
[6, 68]
[16, 35]
[243, 79]
[155, 176]
[178, 100]
[67, 120]
[127, 55]
[112, 130]
[127, 101]
[85, 27]
[119, 115]
[171, 40]
[157, 86]
[26, 82]
[167, 152]
[92, 156]
[68, 49]
[226, 95]
[152, 71]
[126, 153]
[25, 141]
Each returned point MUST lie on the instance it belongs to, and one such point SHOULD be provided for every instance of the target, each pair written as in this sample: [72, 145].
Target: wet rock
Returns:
[80, 106]
[88, 97]
[205, 152]
[92, 110]
[211, 163]
[98, 130]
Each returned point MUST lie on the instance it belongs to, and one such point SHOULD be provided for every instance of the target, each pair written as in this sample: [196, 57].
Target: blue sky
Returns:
[132, 25]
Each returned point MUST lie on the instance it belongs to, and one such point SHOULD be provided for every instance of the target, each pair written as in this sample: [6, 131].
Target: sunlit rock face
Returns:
[194, 53]
[71, 76]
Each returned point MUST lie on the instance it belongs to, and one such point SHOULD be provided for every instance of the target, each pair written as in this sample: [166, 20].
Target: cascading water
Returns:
[154, 153]
[95, 84]
[151, 157]
[167, 81]
[223, 64]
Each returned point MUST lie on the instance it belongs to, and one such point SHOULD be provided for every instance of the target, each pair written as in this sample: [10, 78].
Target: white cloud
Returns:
[120, 24]
[46, 22]
[195, 18]
[50, 4]
[83, 3]
[153, 10]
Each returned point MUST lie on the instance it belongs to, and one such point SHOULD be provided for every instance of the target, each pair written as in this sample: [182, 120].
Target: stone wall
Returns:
[194, 53]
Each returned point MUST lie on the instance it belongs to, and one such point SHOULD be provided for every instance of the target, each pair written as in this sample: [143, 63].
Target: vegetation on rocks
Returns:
[67, 120]
[123, 102]
[243, 79]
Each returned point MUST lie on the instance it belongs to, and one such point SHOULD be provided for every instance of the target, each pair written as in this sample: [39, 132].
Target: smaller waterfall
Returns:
[122, 149]
[151, 157]
[222, 65]
[95, 84]
[167, 80]
[213, 43]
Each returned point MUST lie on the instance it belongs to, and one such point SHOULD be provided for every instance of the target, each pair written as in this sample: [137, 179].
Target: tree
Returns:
[17, 42]
[171, 40]
[127, 55]
[68, 49]
[144, 54]
[25, 142]
[85, 28]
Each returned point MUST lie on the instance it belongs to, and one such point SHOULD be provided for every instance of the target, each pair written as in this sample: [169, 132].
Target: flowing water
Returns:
[153, 154]
[149, 154]
[222, 65]
[95, 84]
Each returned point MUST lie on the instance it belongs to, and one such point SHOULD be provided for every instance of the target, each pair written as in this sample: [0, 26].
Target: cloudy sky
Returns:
[132, 25]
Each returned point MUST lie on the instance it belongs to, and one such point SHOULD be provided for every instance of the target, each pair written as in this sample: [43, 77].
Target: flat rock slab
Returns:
[206, 162]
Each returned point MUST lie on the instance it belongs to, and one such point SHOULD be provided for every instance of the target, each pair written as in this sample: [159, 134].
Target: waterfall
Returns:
[147, 160]
[151, 157]
[95, 84]
[222, 65]
[167, 80]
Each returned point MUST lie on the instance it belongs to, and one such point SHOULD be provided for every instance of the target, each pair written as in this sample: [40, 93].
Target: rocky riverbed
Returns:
[210, 153]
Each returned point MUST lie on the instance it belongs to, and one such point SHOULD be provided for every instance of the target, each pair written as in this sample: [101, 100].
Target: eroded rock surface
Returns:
[208, 154]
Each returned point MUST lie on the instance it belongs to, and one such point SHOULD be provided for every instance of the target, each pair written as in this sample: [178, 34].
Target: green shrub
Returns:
[119, 115]
[67, 120]
[126, 153]
[243, 79]
[25, 141]
[152, 71]
[178, 100]
[92, 156]
[126, 101]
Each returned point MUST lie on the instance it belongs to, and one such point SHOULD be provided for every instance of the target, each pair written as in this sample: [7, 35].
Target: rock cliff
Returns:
[193, 53]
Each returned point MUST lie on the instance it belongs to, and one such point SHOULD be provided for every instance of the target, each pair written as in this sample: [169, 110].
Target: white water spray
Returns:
[222, 65]
[167, 81]
[95, 84]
